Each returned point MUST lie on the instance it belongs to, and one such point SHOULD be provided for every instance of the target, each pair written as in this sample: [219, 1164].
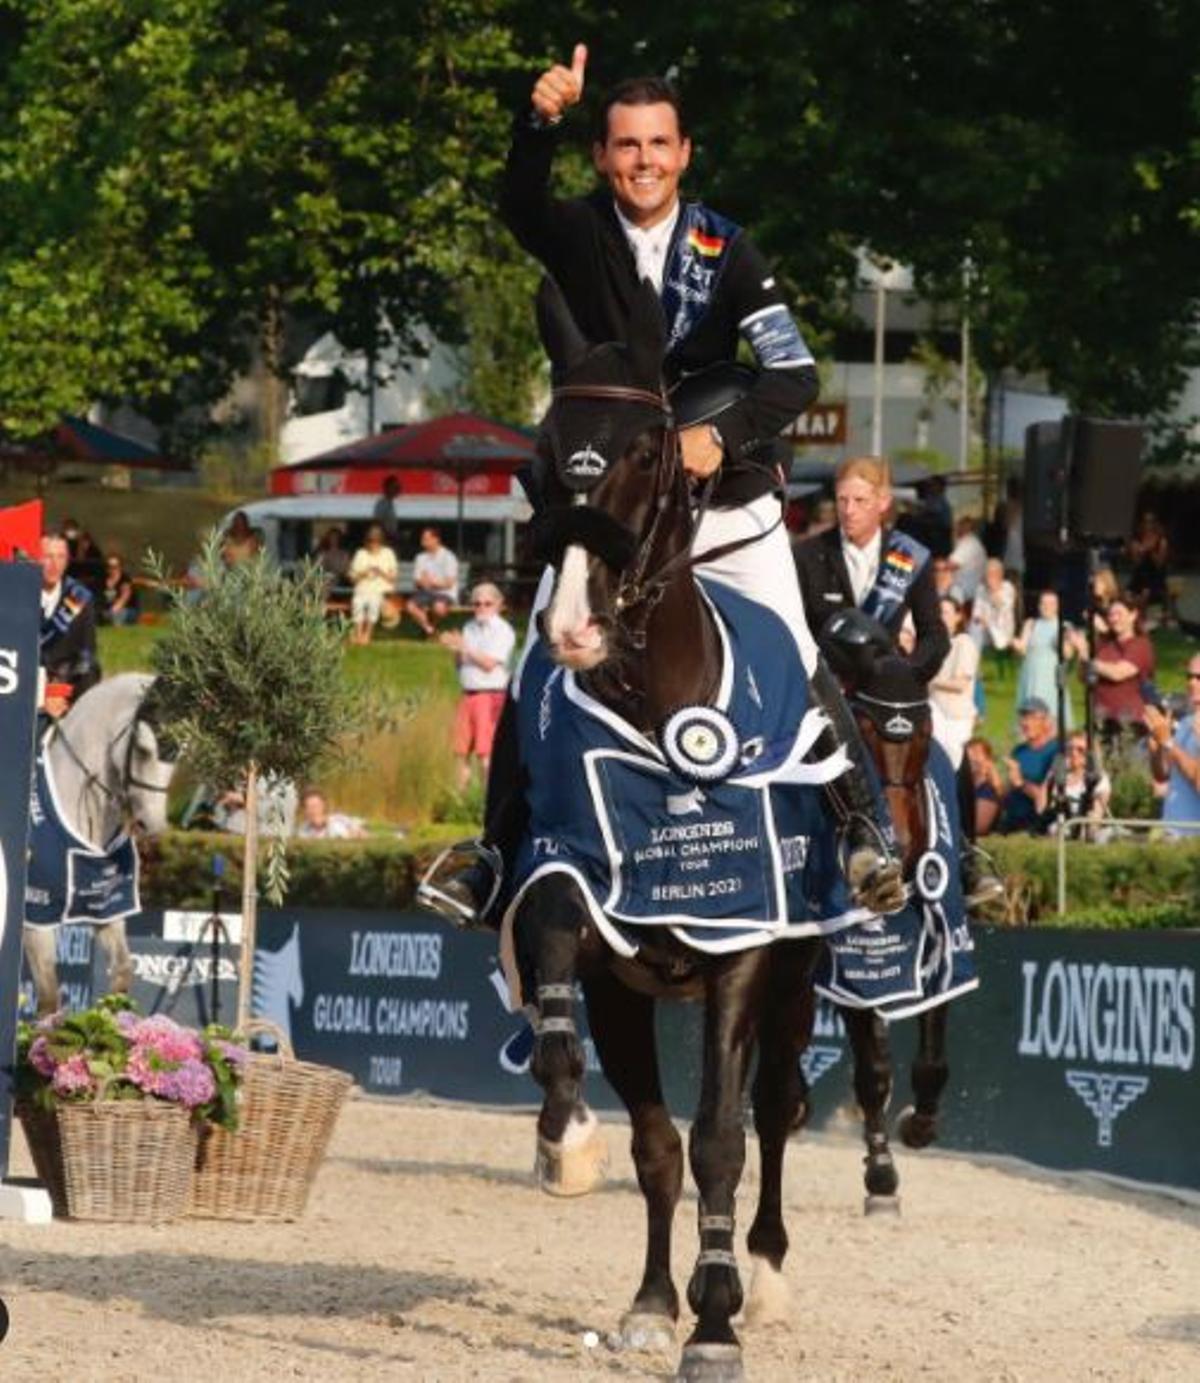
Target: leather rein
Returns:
[640, 587]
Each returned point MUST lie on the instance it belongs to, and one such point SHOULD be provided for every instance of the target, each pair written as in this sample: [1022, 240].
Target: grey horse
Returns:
[110, 772]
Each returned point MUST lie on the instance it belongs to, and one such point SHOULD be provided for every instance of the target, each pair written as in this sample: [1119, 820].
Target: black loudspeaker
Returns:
[1105, 470]
[1044, 484]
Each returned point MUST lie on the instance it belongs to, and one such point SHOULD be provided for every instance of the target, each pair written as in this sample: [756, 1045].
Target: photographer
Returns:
[1175, 758]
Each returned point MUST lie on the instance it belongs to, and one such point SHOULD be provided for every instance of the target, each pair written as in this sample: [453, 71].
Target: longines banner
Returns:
[1078, 1050]
[20, 616]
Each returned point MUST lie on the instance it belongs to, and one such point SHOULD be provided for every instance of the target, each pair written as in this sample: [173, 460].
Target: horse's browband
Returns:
[622, 393]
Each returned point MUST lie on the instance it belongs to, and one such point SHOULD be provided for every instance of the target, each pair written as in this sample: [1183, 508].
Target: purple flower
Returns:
[236, 1056]
[192, 1085]
[72, 1077]
[128, 1024]
[39, 1057]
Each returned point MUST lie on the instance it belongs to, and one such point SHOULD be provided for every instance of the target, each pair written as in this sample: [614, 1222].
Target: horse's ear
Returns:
[565, 344]
[647, 341]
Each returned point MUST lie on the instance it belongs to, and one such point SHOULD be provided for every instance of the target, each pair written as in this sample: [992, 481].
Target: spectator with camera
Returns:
[1122, 669]
[1175, 754]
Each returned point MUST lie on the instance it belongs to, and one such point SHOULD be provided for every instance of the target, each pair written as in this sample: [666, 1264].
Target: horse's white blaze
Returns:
[570, 627]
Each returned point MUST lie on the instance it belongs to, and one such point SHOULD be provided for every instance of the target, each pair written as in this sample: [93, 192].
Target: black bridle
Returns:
[128, 781]
[640, 587]
[895, 722]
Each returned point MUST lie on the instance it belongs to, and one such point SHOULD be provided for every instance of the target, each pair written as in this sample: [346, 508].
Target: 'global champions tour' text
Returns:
[1128, 1015]
[393, 955]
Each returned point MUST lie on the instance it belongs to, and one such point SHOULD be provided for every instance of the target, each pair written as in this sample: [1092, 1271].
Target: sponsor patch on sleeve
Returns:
[775, 338]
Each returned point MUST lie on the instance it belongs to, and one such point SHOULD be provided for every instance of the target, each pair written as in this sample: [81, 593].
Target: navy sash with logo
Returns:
[74, 599]
[901, 561]
[699, 251]
[70, 880]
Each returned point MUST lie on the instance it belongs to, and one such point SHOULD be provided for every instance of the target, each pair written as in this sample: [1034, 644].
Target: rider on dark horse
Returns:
[863, 564]
[715, 289]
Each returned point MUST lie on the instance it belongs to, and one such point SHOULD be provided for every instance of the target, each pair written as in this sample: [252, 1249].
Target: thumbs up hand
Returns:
[561, 87]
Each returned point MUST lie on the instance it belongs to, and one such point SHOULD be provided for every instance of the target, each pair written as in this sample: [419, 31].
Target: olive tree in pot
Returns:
[249, 682]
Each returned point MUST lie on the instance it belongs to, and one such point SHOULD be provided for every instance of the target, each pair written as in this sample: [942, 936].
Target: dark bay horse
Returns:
[892, 711]
[628, 620]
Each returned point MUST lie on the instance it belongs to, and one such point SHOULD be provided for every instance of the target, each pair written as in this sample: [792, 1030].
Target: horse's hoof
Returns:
[644, 1331]
[769, 1300]
[885, 1205]
[703, 1363]
[575, 1166]
[916, 1130]
[881, 1179]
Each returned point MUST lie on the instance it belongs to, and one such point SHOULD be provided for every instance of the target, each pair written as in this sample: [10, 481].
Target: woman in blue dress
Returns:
[1038, 644]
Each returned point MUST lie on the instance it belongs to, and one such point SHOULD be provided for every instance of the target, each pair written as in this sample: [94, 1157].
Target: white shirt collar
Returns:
[50, 598]
[650, 246]
[862, 564]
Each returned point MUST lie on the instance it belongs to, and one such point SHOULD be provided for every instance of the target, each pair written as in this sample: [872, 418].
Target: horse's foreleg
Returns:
[930, 1071]
[571, 1153]
[779, 1096]
[734, 996]
[622, 1026]
[41, 952]
[873, 1087]
[115, 943]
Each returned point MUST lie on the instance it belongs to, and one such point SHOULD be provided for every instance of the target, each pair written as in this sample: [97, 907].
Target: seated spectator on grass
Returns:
[1123, 664]
[994, 609]
[240, 541]
[118, 596]
[1086, 796]
[435, 581]
[373, 571]
[988, 785]
[483, 649]
[952, 687]
[317, 822]
[1175, 757]
[968, 558]
[332, 557]
[1026, 802]
[276, 808]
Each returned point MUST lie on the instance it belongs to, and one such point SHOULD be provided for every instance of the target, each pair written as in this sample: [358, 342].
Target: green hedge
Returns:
[1126, 885]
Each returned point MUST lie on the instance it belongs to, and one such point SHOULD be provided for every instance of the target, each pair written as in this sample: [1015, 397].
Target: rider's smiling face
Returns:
[643, 157]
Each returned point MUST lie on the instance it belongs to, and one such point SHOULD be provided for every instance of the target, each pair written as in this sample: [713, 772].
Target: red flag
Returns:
[21, 531]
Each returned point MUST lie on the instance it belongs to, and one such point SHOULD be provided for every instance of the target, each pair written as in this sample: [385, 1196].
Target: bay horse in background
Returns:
[628, 620]
[111, 772]
[892, 710]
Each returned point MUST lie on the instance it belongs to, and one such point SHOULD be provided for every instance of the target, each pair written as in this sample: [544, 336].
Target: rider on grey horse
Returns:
[715, 289]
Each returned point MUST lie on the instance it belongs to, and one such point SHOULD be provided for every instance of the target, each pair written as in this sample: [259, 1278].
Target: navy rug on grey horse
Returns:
[70, 879]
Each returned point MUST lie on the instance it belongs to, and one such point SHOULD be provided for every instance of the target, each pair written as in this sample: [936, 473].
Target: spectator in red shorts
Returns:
[483, 649]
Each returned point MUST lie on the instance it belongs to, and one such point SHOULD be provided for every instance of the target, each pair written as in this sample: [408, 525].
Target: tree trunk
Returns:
[249, 899]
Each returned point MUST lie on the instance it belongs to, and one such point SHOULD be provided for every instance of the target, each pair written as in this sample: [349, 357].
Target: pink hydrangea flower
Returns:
[167, 1039]
[72, 1077]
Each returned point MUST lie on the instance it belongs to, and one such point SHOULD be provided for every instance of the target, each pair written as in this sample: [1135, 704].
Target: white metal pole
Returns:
[877, 403]
[964, 395]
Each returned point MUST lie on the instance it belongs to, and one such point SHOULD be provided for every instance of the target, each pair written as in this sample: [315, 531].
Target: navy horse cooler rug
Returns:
[716, 829]
[922, 955]
[69, 879]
